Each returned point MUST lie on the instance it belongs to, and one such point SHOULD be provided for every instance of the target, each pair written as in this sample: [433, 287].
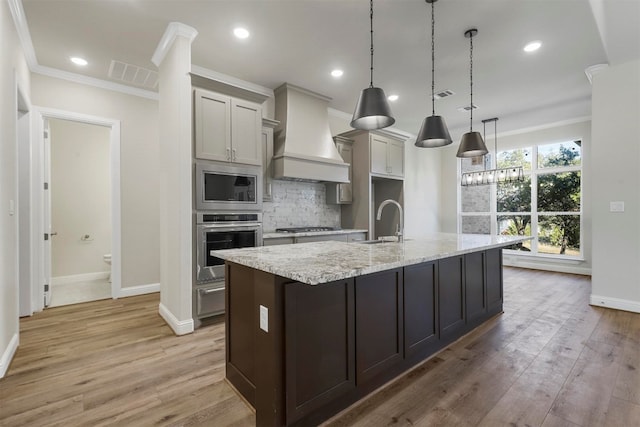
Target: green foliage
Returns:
[519, 157]
[514, 196]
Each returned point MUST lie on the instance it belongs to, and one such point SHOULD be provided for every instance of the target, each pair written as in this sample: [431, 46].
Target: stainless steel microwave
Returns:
[224, 187]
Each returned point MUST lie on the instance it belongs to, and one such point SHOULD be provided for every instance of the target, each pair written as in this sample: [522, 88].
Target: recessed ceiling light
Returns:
[241, 33]
[392, 98]
[532, 47]
[337, 73]
[79, 61]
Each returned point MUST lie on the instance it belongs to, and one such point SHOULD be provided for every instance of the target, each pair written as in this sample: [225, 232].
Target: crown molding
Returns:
[260, 93]
[20, 21]
[92, 81]
[174, 29]
[593, 70]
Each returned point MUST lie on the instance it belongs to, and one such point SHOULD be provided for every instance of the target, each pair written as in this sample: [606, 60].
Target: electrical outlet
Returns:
[264, 318]
[616, 206]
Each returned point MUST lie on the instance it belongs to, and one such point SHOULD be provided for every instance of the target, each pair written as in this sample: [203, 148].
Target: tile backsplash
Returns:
[298, 204]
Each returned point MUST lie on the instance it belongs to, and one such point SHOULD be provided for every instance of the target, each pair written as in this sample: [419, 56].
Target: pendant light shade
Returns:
[471, 144]
[372, 110]
[433, 132]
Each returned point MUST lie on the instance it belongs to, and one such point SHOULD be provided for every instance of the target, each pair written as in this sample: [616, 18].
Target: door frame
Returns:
[41, 114]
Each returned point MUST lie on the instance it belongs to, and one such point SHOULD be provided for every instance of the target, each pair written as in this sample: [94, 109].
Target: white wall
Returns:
[12, 67]
[139, 166]
[616, 177]
[422, 189]
[80, 197]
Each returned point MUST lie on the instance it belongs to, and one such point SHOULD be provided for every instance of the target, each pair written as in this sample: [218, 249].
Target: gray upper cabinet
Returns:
[268, 126]
[227, 129]
[386, 156]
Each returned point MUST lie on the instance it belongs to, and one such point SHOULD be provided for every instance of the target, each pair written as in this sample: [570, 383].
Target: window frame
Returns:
[533, 173]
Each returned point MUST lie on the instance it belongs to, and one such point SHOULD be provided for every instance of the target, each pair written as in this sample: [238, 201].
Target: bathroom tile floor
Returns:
[74, 293]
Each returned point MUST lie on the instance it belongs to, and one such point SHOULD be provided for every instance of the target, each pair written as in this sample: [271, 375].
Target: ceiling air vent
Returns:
[443, 94]
[467, 108]
[133, 75]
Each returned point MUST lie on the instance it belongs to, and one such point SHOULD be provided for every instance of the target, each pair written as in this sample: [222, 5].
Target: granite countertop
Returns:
[276, 234]
[322, 262]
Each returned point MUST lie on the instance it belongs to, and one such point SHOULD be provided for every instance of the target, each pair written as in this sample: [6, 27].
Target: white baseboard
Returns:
[617, 303]
[180, 327]
[75, 278]
[139, 290]
[7, 356]
[511, 261]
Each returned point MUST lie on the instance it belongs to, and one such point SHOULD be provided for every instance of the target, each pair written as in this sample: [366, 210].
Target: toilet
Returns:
[107, 259]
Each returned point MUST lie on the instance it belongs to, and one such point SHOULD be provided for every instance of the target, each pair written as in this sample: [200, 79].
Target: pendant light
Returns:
[434, 132]
[490, 176]
[471, 144]
[372, 110]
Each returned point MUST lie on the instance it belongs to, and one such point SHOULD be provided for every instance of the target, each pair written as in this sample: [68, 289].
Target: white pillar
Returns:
[173, 58]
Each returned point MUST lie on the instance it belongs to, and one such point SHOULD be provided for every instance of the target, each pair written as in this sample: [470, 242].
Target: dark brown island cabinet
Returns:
[323, 347]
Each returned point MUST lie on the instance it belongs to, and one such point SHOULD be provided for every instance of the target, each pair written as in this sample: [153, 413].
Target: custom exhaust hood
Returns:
[303, 148]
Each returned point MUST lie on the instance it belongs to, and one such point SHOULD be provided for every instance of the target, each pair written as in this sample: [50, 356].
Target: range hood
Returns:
[303, 148]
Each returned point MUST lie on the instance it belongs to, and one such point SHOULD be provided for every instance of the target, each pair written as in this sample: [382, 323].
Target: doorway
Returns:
[80, 211]
[79, 181]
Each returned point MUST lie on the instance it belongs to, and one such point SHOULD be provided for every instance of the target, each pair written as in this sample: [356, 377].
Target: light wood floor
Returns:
[549, 360]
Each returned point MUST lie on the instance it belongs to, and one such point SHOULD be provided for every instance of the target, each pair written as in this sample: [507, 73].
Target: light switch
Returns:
[264, 318]
[616, 206]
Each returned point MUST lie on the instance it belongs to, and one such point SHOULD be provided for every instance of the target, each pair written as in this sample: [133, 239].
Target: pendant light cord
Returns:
[371, 26]
[471, 81]
[433, 61]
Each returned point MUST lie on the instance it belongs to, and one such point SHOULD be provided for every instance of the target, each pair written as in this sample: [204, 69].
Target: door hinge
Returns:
[46, 236]
[46, 185]
[46, 134]
[46, 287]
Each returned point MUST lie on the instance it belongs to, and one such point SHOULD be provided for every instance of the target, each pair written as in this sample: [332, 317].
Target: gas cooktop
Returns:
[305, 229]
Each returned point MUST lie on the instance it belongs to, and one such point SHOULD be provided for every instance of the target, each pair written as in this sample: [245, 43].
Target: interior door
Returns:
[47, 213]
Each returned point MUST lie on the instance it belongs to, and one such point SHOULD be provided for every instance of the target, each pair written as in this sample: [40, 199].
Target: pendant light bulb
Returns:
[471, 144]
[372, 110]
[433, 132]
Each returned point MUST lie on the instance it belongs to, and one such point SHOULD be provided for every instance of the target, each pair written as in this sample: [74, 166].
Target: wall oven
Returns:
[226, 187]
[216, 231]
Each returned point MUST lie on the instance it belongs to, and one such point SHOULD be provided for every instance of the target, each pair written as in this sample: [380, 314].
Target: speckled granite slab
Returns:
[322, 262]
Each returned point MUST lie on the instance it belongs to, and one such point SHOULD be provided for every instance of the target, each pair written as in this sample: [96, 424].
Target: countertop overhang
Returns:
[322, 262]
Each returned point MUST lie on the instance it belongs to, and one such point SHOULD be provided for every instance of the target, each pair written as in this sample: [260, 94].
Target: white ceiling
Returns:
[301, 41]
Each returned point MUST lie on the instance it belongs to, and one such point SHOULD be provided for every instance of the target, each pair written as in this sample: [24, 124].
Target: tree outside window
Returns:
[546, 205]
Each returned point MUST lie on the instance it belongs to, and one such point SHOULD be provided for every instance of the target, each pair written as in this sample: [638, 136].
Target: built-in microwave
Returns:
[223, 187]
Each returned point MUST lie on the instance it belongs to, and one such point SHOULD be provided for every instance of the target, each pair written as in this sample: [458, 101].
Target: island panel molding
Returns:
[330, 344]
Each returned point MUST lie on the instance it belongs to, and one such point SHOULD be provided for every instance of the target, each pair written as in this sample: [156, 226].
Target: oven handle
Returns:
[231, 227]
[210, 291]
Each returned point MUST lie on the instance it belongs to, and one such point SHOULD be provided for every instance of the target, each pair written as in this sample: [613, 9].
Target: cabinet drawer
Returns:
[210, 300]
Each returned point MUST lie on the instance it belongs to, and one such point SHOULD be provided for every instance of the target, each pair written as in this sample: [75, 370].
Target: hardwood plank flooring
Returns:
[549, 360]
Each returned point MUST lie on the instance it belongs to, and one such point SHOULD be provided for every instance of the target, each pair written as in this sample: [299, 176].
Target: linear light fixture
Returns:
[491, 176]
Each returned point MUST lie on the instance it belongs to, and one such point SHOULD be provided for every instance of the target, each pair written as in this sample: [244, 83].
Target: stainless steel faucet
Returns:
[400, 229]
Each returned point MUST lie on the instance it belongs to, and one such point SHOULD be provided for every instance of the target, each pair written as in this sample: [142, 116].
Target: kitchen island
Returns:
[313, 327]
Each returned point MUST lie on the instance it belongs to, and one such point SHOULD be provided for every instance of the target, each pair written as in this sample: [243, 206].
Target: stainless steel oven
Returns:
[227, 188]
[216, 231]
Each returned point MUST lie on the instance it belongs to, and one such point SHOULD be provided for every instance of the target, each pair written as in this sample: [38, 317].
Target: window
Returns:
[547, 205]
